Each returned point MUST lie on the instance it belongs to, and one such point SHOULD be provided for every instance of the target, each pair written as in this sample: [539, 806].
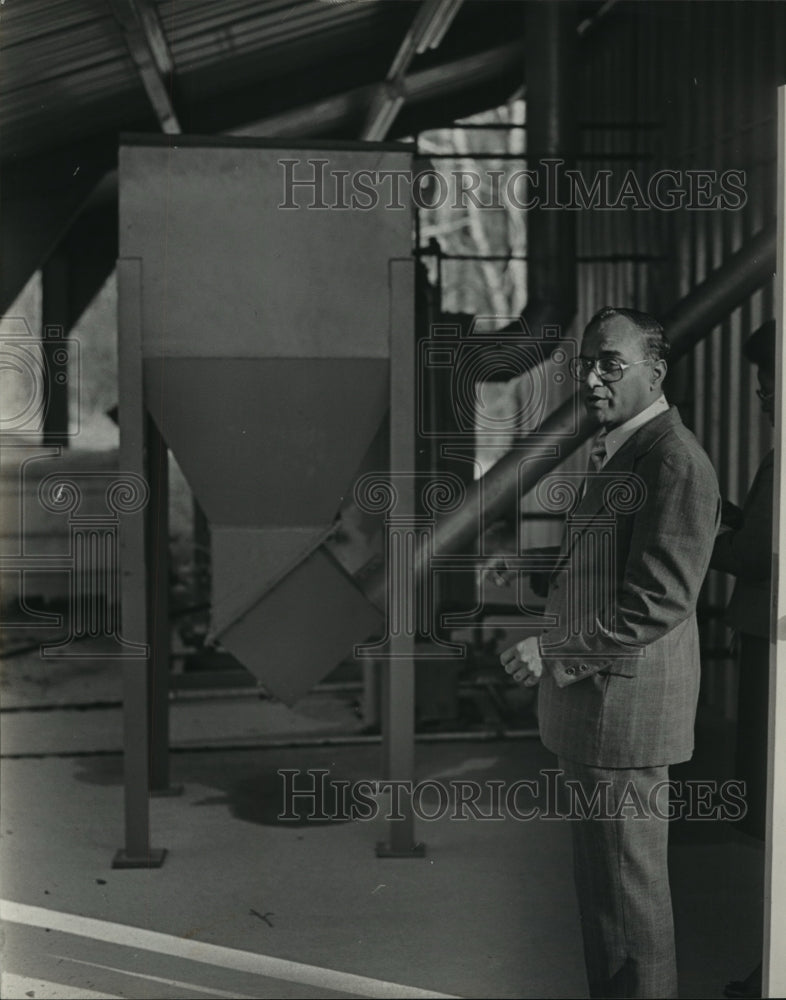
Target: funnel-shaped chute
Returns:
[268, 441]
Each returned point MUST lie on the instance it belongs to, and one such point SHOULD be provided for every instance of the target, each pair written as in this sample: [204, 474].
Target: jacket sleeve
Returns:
[747, 552]
[670, 547]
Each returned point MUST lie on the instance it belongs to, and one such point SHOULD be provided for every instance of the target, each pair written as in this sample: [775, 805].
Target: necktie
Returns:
[598, 452]
[596, 458]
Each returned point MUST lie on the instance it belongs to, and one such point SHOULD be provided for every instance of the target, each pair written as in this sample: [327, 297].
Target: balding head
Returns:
[633, 342]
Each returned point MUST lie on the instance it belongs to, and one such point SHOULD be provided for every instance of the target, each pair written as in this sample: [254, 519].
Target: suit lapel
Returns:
[591, 505]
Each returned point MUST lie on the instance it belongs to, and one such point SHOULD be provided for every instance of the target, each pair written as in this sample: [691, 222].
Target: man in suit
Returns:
[618, 670]
[744, 549]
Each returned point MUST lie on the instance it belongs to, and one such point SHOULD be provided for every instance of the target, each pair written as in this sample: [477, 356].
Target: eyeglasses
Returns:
[607, 369]
[765, 397]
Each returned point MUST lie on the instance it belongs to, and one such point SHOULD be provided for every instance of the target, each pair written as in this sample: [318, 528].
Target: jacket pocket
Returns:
[622, 666]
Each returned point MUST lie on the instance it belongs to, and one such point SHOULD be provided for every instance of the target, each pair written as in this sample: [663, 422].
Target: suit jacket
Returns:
[747, 554]
[621, 677]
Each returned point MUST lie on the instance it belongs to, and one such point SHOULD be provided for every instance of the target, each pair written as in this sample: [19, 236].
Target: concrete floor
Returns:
[249, 905]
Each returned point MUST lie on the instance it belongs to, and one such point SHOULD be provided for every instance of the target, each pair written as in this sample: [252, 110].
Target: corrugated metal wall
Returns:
[687, 87]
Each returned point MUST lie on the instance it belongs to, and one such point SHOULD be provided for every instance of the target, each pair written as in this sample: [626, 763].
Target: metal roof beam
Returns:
[429, 27]
[320, 117]
[150, 52]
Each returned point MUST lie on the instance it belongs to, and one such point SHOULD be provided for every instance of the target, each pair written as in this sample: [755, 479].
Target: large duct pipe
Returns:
[498, 492]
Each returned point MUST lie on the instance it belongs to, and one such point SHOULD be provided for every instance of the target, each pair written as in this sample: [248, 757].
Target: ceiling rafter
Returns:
[149, 50]
[436, 82]
[427, 30]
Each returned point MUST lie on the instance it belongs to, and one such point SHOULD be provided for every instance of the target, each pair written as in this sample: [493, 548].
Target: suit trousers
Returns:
[622, 882]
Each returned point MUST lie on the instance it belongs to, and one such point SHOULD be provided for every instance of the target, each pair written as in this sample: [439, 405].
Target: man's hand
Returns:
[498, 571]
[523, 661]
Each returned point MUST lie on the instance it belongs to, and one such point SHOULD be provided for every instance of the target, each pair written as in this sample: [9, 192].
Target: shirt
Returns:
[617, 437]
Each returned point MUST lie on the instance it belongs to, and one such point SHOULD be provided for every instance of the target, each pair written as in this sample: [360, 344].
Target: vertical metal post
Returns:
[158, 611]
[137, 852]
[774, 964]
[550, 59]
[55, 322]
[398, 695]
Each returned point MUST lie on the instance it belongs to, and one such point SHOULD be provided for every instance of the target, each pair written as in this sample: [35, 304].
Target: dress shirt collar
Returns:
[617, 437]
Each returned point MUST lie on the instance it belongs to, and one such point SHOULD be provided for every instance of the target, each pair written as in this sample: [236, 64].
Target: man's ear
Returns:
[659, 370]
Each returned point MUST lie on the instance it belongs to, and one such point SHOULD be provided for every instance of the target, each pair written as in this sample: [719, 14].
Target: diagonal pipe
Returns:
[495, 494]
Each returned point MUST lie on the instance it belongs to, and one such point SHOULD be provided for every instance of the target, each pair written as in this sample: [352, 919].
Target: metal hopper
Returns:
[265, 348]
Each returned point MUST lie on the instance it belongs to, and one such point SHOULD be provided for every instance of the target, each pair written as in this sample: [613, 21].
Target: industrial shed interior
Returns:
[289, 289]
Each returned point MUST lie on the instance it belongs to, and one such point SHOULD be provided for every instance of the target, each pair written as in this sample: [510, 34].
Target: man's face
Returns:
[612, 403]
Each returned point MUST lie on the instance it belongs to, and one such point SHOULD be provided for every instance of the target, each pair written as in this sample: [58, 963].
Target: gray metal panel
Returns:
[247, 562]
[302, 628]
[268, 442]
[227, 272]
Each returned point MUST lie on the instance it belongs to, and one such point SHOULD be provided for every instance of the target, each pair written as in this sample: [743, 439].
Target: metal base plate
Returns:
[154, 858]
[385, 850]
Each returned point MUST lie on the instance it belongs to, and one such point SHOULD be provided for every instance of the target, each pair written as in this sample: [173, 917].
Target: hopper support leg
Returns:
[136, 852]
[158, 590]
[398, 713]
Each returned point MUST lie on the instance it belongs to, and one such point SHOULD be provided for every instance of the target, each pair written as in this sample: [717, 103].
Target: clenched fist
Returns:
[523, 661]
